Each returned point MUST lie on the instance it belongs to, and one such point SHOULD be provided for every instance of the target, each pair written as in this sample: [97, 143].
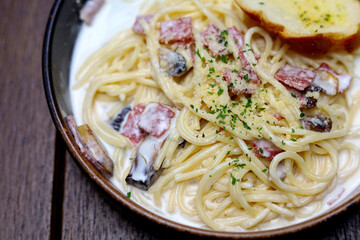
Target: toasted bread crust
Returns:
[317, 44]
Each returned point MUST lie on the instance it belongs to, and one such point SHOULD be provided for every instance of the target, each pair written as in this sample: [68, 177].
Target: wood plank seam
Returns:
[58, 189]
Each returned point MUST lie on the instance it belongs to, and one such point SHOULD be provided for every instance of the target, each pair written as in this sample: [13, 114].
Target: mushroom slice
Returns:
[120, 117]
[317, 123]
[99, 159]
[143, 173]
[172, 63]
[90, 147]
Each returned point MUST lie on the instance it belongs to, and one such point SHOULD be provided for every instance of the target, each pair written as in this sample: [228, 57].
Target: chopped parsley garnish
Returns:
[233, 179]
[223, 59]
[198, 53]
[264, 170]
[302, 115]
[293, 139]
[128, 195]
[293, 95]
[220, 91]
[192, 106]
[246, 125]
[246, 77]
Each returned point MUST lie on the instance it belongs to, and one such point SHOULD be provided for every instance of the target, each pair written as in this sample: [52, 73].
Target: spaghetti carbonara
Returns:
[212, 117]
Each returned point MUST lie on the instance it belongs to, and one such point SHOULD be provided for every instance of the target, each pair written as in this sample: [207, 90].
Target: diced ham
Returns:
[343, 81]
[177, 30]
[156, 119]
[89, 10]
[265, 149]
[130, 128]
[298, 78]
[137, 26]
[237, 84]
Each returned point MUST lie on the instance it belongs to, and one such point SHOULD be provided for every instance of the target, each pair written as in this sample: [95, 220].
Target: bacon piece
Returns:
[213, 40]
[156, 119]
[130, 128]
[247, 70]
[298, 95]
[89, 10]
[305, 102]
[137, 26]
[265, 149]
[177, 30]
[237, 36]
[294, 77]
[343, 81]
[317, 123]
[237, 84]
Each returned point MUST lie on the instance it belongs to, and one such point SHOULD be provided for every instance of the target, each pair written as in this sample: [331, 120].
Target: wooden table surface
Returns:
[43, 194]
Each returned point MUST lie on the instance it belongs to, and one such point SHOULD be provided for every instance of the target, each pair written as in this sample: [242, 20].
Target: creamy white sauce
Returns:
[117, 15]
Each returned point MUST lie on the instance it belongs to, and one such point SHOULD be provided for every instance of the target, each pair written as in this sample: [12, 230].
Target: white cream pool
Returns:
[117, 15]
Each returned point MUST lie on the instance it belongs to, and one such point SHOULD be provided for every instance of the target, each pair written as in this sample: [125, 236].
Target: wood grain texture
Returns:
[87, 214]
[27, 132]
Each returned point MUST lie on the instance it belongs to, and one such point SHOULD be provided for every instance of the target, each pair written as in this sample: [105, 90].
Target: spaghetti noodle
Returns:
[248, 158]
